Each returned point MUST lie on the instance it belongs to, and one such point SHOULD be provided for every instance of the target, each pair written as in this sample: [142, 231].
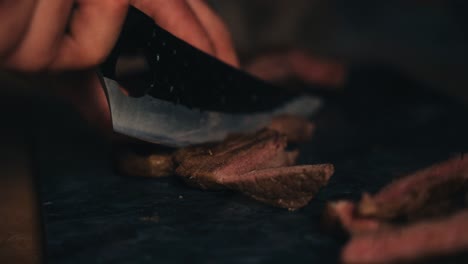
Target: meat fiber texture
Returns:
[419, 216]
[151, 161]
[256, 165]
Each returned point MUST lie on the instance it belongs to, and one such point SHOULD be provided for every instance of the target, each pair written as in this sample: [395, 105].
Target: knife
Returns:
[179, 95]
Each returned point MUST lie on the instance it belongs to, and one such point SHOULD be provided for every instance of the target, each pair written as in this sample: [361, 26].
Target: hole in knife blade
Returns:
[132, 72]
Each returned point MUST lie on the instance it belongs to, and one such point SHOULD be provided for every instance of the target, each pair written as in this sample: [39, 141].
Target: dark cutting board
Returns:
[383, 126]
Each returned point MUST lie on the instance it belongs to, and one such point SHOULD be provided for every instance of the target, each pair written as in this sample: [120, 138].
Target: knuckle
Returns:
[91, 57]
[118, 5]
[31, 62]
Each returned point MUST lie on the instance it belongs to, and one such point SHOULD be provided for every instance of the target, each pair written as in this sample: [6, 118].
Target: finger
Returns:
[94, 29]
[43, 35]
[16, 18]
[217, 31]
[177, 17]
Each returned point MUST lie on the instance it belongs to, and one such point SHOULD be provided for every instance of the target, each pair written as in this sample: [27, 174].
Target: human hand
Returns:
[58, 35]
[51, 36]
[193, 21]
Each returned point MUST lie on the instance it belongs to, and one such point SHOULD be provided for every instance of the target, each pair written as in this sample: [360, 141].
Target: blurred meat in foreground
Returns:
[420, 216]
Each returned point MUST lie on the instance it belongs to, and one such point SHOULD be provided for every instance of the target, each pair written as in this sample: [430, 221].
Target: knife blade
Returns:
[182, 96]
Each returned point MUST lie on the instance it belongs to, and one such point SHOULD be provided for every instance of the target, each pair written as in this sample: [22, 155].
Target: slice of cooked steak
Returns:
[287, 187]
[435, 190]
[146, 160]
[204, 165]
[409, 243]
[297, 129]
[257, 165]
[428, 199]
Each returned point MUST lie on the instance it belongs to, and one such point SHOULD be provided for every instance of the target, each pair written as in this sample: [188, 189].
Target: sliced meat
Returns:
[154, 165]
[297, 129]
[257, 165]
[432, 202]
[342, 215]
[436, 190]
[283, 158]
[287, 187]
[412, 242]
[204, 166]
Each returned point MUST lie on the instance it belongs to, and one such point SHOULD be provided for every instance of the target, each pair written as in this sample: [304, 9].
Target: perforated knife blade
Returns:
[184, 96]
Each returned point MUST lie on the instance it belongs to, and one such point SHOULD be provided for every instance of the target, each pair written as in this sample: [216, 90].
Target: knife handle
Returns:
[127, 62]
[174, 71]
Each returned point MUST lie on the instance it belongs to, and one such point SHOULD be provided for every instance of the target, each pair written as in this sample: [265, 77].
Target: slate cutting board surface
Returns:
[382, 127]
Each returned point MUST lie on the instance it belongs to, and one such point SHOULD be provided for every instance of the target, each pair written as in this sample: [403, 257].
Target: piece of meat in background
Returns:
[422, 241]
[425, 40]
[418, 217]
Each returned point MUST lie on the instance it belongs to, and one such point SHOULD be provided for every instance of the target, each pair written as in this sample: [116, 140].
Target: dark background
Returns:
[93, 214]
[402, 109]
